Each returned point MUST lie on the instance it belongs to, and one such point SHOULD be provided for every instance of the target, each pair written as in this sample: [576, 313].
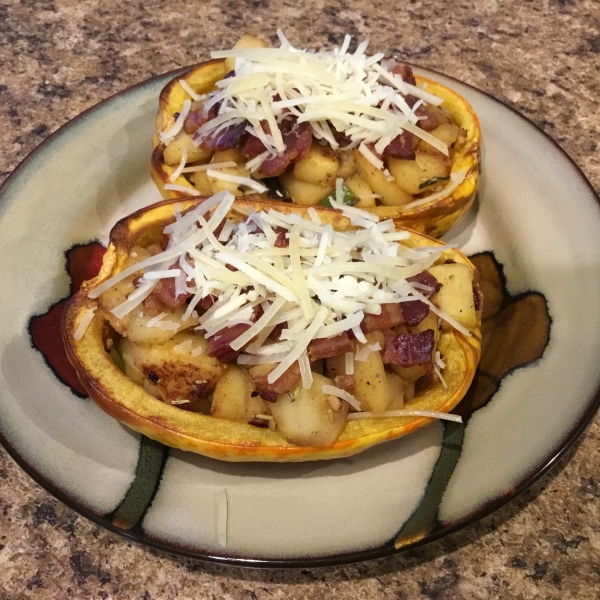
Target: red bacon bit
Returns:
[225, 139]
[426, 278]
[164, 291]
[253, 147]
[271, 391]
[405, 72]
[208, 301]
[414, 311]
[153, 306]
[429, 119]
[477, 299]
[297, 143]
[218, 345]
[276, 333]
[344, 382]
[414, 349]
[390, 316]
[402, 146]
[329, 347]
[282, 240]
[389, 355]
[196, 117]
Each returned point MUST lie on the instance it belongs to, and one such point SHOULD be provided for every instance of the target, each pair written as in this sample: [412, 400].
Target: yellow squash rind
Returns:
[219, 438]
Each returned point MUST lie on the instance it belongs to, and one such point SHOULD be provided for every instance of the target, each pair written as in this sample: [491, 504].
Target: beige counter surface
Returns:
[58, 58]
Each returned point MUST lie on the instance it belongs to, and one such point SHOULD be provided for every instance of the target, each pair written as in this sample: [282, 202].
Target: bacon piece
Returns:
[164, 291]
[426, 278]
[329, 347]
[208, 301]
[223, 140]
[391, 315]
[402, 146]
[253, 147]
[414, 311]
[153, 306]
[345, 382]
[388, 354]
[414, 349]
[429, 119]
[271, 391]
[405, 71]
[276, 333]
[281, 241]
[297, 143]
[196, 117]
[218, 345]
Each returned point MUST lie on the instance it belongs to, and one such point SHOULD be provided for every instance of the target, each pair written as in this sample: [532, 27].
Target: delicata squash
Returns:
[248, 331]
[302, 126]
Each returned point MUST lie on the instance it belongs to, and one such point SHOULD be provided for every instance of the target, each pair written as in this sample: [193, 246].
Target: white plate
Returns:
[537, 218]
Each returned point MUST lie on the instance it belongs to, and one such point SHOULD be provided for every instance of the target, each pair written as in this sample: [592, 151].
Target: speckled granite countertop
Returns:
[60, 57]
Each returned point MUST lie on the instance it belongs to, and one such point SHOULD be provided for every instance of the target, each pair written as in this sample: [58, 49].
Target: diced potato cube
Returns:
[360, 188]
[371, 386]
[304, 193]
[246, 41]
[174, 151]
[396, 385]
[390, 193]
[447, 133]
[229, 396]
[318, 167]
[347, 165]
[410, 174]
[455, 297]
[307, 417]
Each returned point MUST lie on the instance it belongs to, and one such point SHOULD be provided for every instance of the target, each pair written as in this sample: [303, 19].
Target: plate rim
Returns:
[387, 549]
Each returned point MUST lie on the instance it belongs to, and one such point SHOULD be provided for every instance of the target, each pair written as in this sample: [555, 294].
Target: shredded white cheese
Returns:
[343, 394]
[432, 414]
[331, 89]
[84, 323]
[317, 290]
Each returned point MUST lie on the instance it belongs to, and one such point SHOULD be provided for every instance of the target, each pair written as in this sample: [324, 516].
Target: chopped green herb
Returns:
[348, 197]
[432, 181]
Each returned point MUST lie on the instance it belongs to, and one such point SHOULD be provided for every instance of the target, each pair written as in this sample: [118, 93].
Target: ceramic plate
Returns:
[533, 235]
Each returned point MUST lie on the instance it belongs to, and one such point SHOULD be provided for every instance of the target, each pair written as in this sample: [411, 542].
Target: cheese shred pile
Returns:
[335, 91]
[321, 284]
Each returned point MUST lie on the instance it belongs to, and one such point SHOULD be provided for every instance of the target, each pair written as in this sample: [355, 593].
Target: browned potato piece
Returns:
[389, 192]
[178, 375]
[447, 133]
[319, 166]
[307, 418]
[360, 188]
[201, 182]
[347, 165]
[371, 386]
[175, 149]
[396, 385]
[138, 330]
[455, 297]
[409, 374]
[218, 185]
[410, 174]
[304, 193]
[246, 41]
[229, 396]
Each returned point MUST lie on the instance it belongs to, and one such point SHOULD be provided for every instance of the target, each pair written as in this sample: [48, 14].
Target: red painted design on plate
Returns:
[82, 263]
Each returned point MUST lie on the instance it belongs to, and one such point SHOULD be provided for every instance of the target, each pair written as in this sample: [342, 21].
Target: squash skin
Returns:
[219, 438]
[434, 219]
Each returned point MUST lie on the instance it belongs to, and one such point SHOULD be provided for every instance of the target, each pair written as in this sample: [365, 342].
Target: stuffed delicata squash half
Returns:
[290, 125]
[248, 331]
